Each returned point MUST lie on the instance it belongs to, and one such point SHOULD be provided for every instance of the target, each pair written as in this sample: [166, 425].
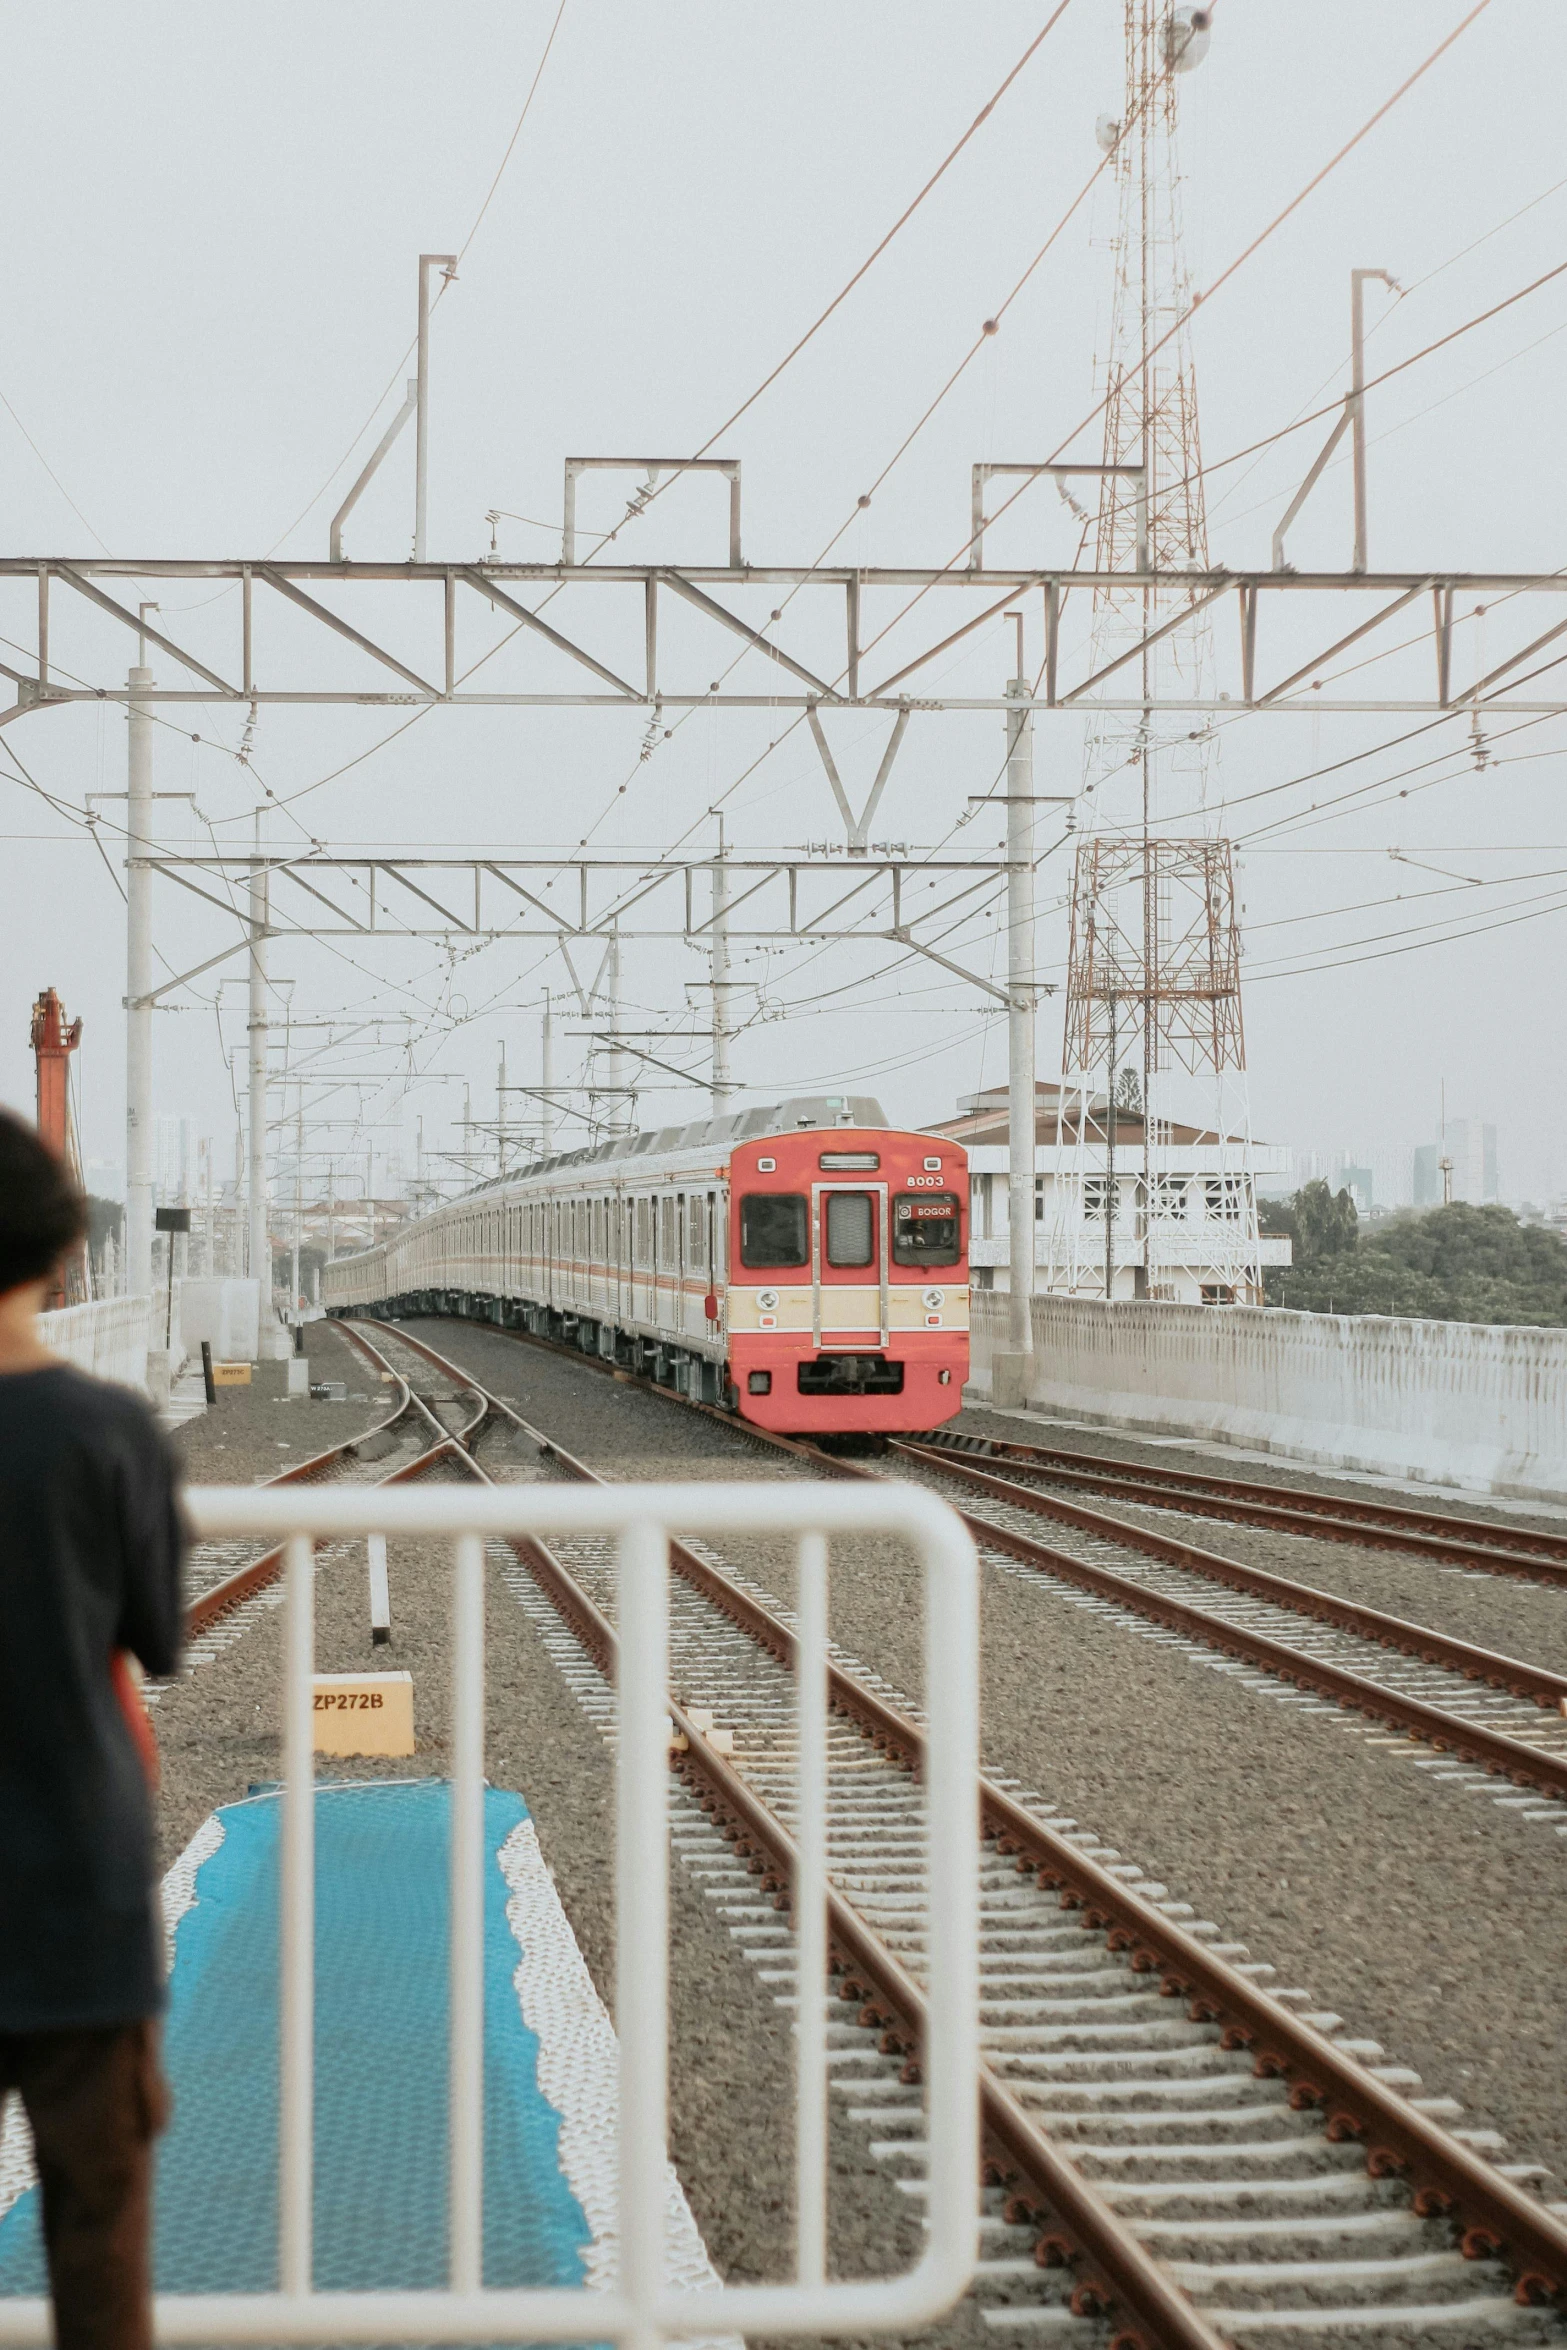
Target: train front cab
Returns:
[848, 1280]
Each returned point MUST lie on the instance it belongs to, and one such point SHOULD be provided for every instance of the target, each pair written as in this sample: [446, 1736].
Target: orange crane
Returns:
[53, 1044]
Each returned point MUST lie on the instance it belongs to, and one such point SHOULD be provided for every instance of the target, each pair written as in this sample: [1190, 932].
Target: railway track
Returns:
[1465, 1708]
[1170, 2145]
[224, 1576]
[1495, 1712]
[1533, 1554]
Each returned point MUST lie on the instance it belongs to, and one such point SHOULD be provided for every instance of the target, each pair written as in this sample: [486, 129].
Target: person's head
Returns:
[42, 1213]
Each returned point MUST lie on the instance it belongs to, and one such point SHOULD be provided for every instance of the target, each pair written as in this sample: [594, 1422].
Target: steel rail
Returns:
[1491, 1750]
[1119, 2273]
[1494, 2218]
[1546, 1689]
[1326, 1517]
[259, 1572]
[1445, 1732]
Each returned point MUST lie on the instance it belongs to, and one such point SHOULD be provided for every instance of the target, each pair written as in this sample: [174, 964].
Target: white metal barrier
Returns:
[641, 2312]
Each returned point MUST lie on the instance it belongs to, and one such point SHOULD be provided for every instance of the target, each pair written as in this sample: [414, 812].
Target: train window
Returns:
[773, 1228]
[926, 1231]
[851, 1228]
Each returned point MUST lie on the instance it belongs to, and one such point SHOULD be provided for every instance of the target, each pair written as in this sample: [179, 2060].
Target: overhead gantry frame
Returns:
[436, 654]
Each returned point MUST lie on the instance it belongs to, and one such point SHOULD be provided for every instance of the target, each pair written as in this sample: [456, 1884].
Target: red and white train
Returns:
[806, 1265]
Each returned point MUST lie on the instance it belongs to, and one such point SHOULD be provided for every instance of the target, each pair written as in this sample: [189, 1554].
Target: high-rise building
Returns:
[1469, 1145]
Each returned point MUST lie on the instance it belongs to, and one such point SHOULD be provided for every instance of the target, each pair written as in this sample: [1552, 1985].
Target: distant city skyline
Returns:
[1405, 1175]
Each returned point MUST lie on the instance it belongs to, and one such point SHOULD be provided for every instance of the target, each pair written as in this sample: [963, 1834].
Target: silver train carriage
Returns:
[806, 1264]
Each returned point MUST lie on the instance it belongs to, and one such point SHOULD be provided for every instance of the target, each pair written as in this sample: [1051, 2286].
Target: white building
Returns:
[1196, 1243]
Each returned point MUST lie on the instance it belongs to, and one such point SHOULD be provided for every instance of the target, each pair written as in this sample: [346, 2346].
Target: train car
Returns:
[805, 1265]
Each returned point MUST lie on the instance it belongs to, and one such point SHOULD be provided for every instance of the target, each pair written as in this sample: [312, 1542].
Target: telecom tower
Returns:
[1153, 974]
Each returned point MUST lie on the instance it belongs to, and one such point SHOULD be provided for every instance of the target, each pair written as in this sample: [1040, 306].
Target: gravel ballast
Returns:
[1527, 1620]
[1203, 1456]
[732, 2058]
[251, 1433]
[1433, 1919]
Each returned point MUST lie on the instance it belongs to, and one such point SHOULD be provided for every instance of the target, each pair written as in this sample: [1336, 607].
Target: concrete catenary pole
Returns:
[209, 1257]
[722, 1087]
[619, 1115]
[260, 1251]
[299, 1200]
[547, 1082]
[138, 990]
[1014, 1366]
[501, 1092]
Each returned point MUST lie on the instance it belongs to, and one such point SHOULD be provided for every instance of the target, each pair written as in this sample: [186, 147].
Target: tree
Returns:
[1129, 1092]
[312, 1260]
[1453, 1264]
[1326, 1224]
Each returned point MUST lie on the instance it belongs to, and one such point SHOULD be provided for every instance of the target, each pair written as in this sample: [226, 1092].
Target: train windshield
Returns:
[926, 1231]
[773, 1227]
[851, 1228]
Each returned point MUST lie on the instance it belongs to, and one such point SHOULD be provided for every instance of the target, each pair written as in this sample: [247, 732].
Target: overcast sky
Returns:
[208, 290]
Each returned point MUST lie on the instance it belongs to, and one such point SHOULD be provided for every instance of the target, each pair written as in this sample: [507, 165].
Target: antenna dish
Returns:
[1187, 33]
[1108, 132]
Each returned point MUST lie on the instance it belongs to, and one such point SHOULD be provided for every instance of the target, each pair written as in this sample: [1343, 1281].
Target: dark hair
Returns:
[42, 1213]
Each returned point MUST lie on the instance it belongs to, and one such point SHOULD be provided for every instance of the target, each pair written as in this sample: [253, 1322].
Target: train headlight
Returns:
[767, 1300]
[934, 1300]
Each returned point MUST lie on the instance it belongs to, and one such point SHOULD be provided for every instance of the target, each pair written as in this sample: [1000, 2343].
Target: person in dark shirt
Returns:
[91, 1553]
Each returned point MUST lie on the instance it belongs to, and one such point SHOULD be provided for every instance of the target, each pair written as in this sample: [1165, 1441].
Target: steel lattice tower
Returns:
[1153, 973]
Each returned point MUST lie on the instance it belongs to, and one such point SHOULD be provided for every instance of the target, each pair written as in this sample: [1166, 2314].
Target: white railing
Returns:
[640, 2311]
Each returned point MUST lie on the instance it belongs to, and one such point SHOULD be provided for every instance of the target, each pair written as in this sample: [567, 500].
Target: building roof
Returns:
[1060, 1116]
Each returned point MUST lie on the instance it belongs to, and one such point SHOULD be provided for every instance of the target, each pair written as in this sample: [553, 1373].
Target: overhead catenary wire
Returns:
[1399, 367]
[898, 454]
[53, 476]
[1184, 318]
[789, 356]
[751, 768]
[1334, 961]
[844, 291]
[396, 375]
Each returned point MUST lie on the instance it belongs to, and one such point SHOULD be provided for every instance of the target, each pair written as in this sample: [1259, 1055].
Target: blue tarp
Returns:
[381, 2056]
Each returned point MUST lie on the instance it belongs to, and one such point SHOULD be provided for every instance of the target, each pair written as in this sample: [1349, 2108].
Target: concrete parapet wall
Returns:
[108, 1338]
[1456, 1403]
[227, 1314]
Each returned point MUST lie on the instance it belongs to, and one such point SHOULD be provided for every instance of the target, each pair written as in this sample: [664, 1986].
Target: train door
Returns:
[617, 1239]
[709, 1214]
[849, 1263]
[719, 1227]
